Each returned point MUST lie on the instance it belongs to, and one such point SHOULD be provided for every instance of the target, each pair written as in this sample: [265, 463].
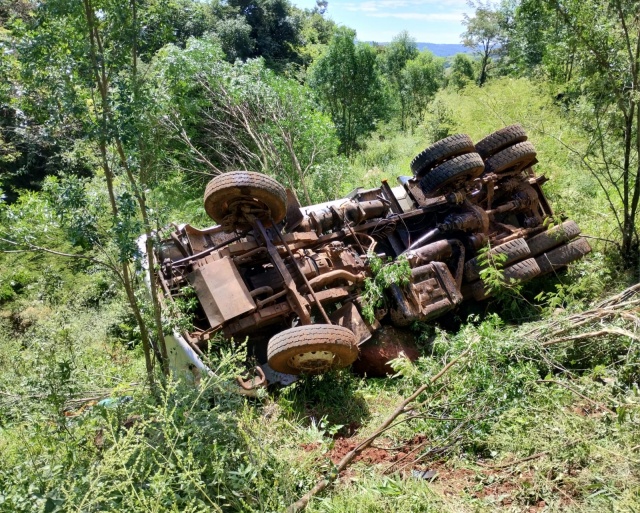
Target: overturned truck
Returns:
[289, 278]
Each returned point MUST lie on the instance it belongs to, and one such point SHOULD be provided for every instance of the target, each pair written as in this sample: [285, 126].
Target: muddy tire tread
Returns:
[520, 272]
[516, 157]
[564, 255]
[220, 187]
[553, 237]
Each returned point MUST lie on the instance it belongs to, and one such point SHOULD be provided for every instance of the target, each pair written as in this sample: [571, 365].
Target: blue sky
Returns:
[428, 21]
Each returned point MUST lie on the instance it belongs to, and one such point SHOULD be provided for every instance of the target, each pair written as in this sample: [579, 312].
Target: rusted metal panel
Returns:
[433, 292]
[349, 317]
[221, 291]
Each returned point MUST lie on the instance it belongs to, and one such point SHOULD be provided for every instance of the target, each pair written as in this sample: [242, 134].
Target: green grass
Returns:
[508, 429]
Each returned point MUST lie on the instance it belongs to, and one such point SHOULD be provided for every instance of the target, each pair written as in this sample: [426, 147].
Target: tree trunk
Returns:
[102, 84]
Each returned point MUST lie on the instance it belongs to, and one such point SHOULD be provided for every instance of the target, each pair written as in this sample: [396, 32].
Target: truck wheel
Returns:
[514, 249]
[513, 158]
[498, 141]
[452, 173]
[312, 349]
[520, 272]
[439, 152]
[227, 193]
[553, 237]
[563, 256]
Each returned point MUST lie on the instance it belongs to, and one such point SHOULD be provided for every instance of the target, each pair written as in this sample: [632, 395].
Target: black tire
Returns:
[452, 173]
[514, 158]
[439, 152]
[312, 349]
[563, 256]
[498, 141]
[520, 272]
[253, 188]
[553, 237]
[515, 250]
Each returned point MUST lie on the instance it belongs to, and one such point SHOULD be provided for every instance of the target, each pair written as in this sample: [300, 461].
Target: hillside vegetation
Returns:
[113, 117]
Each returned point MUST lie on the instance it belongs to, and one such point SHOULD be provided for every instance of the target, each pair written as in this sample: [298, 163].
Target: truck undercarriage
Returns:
[290, 278]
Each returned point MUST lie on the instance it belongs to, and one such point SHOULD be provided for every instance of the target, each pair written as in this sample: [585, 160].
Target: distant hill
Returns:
[444, 50]
[437, 49]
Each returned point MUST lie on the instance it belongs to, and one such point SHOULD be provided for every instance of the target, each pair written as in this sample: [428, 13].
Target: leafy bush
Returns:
[395, 272]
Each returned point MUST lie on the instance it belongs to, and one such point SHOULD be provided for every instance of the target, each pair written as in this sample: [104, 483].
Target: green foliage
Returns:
[179, 313]
[316, 33]
[584, 281]
[397, 272]
[421, 79]
[275, 32]
[586, 50]
[461, 72]
[393, 61]
[244, 115]
[347, 83]
[67, 335]
[235, 38]
[485, 34]
[148, 453]
[77, 212]
[528, 36]
[441, 123]
[492, 269]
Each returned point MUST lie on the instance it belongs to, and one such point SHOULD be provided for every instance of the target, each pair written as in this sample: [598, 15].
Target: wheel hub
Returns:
[242, 211]
[313, 362]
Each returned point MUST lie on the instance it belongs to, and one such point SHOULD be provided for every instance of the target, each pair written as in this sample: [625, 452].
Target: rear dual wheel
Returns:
[506, 150]
[452, 174]
[514, 158]
[500, 140]
[439, 152]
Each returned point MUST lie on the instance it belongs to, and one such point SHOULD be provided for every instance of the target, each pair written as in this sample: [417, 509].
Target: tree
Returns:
[592, 53]
[275, 33]
[462, 71]
[538, 40]
[243, 116]
[347, 82]
[485, 35]
[394, 59]
[88, 54]
[316, 32]
[235, 38]
[602, 41]
[31, 147]
[421, 79]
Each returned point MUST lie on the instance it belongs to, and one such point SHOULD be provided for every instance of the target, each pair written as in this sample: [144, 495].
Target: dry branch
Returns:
[516, 462]
[400, 409]
[621, 307]
[592, 334]
[571, 389]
